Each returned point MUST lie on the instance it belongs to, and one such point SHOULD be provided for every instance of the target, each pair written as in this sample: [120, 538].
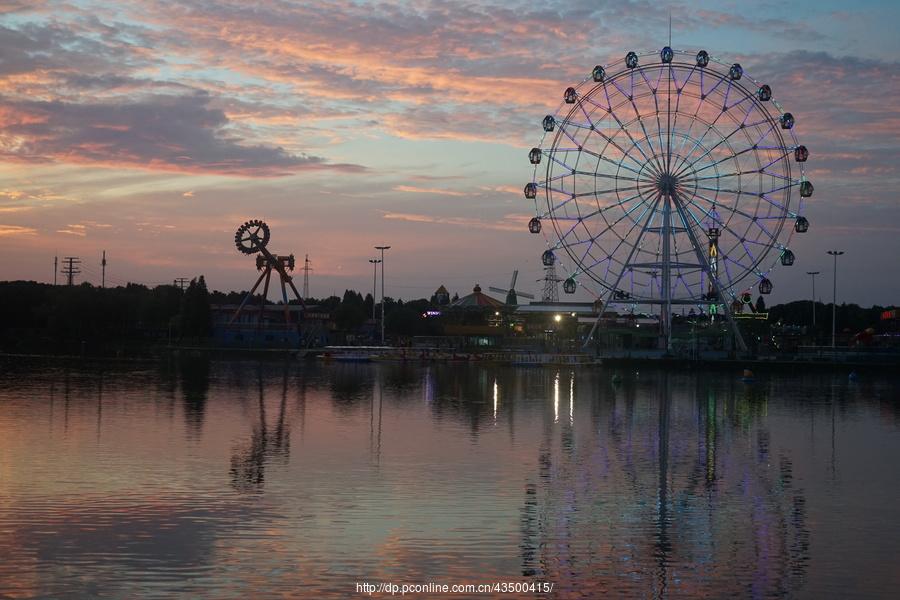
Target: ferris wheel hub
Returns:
[667, 184]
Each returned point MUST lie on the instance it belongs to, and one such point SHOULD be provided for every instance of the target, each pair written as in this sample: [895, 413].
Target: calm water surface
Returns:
[202, 479]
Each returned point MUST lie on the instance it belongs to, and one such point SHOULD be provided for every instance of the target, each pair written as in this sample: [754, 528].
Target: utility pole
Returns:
[382, 248]
[180, 282]
[306, 270]
[813, 274]
[71, 269]
[374, 262]
[835, 254]
[103, 270]
[55, 268]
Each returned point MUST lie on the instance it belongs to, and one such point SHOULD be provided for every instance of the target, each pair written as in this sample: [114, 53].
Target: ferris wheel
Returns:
[669, 178]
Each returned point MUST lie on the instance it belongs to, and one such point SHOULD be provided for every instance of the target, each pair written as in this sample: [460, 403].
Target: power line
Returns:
[306, 270]
[71, 269]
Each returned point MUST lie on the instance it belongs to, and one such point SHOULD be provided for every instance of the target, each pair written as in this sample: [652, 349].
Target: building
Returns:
[271, 326]
[441, 297]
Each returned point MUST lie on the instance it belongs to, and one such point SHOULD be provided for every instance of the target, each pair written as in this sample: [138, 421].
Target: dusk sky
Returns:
[152, 130]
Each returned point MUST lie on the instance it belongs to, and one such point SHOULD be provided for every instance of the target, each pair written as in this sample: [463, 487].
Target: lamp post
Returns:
[835, 254]
[382, 248]
[813, 274]
[374, 262]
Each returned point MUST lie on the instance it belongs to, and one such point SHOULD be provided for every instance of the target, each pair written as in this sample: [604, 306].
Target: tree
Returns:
[351, 314]
[196, 317]
[760, 305]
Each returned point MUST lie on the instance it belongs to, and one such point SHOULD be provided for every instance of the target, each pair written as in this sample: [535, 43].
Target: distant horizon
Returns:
[394, 298]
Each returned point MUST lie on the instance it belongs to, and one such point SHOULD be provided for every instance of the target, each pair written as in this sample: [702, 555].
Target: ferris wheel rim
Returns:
[638, 171]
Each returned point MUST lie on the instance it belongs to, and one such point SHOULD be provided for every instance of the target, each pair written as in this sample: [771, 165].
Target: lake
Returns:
[236, 479]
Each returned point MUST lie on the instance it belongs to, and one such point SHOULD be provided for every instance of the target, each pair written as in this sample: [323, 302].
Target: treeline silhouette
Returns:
[43, 318]
[850, 318]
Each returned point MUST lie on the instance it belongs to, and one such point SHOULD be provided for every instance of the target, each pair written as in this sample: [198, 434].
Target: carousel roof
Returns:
[477, 299]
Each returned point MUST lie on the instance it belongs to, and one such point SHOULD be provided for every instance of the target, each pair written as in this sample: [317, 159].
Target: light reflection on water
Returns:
[240, 479]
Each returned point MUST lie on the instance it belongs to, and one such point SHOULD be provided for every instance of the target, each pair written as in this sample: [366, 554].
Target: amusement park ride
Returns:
[252, 238]
[668, 178]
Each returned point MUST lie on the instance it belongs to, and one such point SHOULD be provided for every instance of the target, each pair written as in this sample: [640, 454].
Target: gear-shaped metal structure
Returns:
[669, 178]
[252, 236]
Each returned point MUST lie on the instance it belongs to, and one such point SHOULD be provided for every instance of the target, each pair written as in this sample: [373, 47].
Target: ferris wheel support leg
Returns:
[705, 263]
[665, 320]
[615, 286]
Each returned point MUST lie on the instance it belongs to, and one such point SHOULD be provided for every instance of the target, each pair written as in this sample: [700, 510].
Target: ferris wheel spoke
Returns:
[552, 156]
[545, 182]
[708, 177]
[784, 209]
[654, 156]
[720, 161]
[571, 137]
[610, 141]
[710, 214]
[781, 176]
[654, 91]
[682, 165]
[634, 247]
[591, 240]
[727, 92]
[725, 139]
[685, 165]
[597, 193]
[612, 162]
[743, 238]
[610, 255]
[735, 209]
[606, 176]
[674, 127]
[553, 209]
[706, 94]
[749, 269]
[626, 214]
[717, 282]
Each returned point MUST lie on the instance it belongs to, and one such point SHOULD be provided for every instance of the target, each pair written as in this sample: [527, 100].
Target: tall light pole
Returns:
[813, 273]
[374, 262]
[835, 254]
[382, 248]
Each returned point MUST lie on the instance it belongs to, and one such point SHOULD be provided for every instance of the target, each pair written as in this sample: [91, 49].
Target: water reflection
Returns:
[248, 464]
[194, 373]
[204, 478]
[597, 517]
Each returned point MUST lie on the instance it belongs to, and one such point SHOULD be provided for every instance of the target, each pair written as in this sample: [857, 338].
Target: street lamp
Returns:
[374, 262]
[813, 274]
[382, 248]
[835, 254]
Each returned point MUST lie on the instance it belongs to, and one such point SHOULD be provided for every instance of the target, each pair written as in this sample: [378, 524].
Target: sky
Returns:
[153, 129]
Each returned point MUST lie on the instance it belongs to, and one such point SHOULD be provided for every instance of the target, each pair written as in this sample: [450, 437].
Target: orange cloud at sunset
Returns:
[352, 123]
